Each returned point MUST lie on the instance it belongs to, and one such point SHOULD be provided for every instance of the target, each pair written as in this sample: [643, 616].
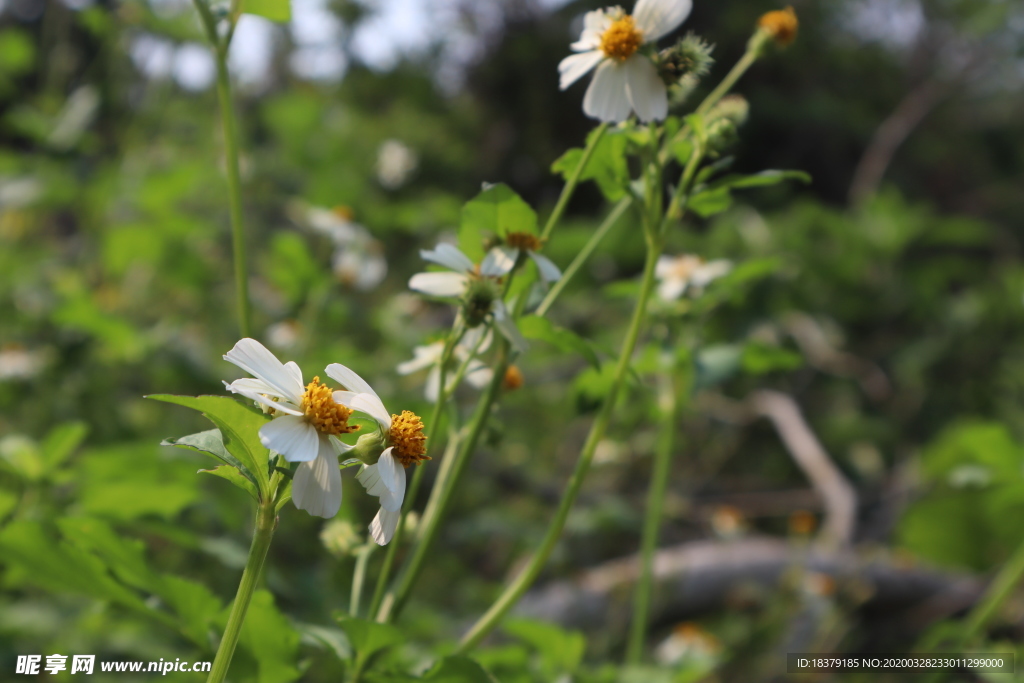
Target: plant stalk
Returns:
[572, 182]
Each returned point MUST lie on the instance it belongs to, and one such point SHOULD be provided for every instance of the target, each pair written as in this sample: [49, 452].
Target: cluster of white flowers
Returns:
[687, 272]
[358, 258]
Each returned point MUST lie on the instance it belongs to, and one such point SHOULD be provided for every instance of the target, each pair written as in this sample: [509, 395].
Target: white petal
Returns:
[548, 270]
[664, 266]
[349, 379]
[478, 374]
[449, 257]
[606, 97]
[497, 263]
[471, 339]
[292, 437]
[656, 18]
[645, 89]
[573, 67]
[255, 359]
[369, 477]
[423, 357]
[371, 405]
[710, 271]
[672, 288]
[293, 367]
[507, 327]
[382, 528]
[338, 445]
[438, 284]
[392, 474]
[258, 393]
[433, 387]
[344, 398]
[317, 485]
[595, 23]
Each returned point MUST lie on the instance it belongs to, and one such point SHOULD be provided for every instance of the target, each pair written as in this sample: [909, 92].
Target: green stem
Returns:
[266, 522]
[995, 596]
[572, 182]
[441, 494]
[584, 254]
[359, 578]
[417, 478]
[670, 406]
[526, 577]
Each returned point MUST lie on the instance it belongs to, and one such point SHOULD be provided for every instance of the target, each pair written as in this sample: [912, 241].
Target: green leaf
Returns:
[762, 179]
[759, 359]
[607, 165]
[458, 669]
[271, 640]
[275, 10]
[497, 210]
[561, 651]
[239, 426]
[61, 442]
[197, 608]
[125, 556]
[706, 203]
[210, 442]
[369, 637]
[8, 501]
[333, 639]
[233, 475]
[536, 327]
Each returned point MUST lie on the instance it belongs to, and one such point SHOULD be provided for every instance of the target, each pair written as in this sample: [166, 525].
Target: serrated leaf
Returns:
[210, 442]
[239, 426]
[233, 475]
[497, 210]
[275, 10]
[61, 442]
[536, 327]
[607, 165]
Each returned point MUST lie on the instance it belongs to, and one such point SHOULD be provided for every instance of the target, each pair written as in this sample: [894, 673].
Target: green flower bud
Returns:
[691, 56]
[478, 299]
[368, 447]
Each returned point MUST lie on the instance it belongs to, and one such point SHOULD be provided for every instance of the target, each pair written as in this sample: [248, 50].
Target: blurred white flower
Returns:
[625, 80]
[358, 259]
[517, 243]
[429, 356]
[688, 642]
[679, 273]
[386, 478]
[395, 163]
[17, 363]
[475, 285]
[307, 421]
[284, 334]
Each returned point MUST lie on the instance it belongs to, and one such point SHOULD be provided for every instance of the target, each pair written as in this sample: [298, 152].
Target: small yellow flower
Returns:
[781, 25]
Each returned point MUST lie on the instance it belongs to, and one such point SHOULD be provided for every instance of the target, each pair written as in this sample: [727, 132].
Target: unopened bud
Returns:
[781, 25]
[368, 447]
[478, 300]
[691, 57]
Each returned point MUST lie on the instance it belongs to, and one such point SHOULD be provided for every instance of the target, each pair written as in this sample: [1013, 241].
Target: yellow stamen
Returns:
[408, 441]
[621, 39]
[323, 413]
[780, 24]
[523, 240]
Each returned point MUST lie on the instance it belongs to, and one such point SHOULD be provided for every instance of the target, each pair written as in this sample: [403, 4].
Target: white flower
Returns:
[625, 80]
[429, 356]
[395, 162]
[518, 242]
[476, 285]
[358, 258]
[677, 273]
[386, 478]
[17, 363]
[307, 420]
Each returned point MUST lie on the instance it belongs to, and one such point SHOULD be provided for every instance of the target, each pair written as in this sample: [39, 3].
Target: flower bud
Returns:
[478, 300]
[779, 25]
[368, 447]
[691, 57]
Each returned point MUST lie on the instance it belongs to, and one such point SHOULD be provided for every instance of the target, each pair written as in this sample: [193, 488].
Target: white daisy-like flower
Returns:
[358, 258]
[517, 243]
[307, 420]
[386, 478]
[679, 273]
[625, 80]
[478, 374]
[477, 286]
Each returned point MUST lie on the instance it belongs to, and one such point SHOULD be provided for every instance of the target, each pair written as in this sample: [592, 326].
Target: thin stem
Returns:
[574, 179]
[359, 578]
[526, 577]
[266, 522]
[441, 495]
[458, 330]
[670, 408]
[581, 258]
[995, 596]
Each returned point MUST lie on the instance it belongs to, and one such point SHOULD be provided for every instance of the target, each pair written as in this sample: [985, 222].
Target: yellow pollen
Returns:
[323, 413]
[408, 441]
[621, 39]
[523, 240]
[780, 24]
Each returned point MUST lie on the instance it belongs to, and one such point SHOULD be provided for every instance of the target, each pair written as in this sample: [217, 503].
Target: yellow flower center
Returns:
[408, 442]
[780, 24]
[523, 240]
[323, 413]
[621, 39]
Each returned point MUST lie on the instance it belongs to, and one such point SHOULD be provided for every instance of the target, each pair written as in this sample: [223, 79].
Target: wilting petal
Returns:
[292, 437]
[645, 89]
[449, 257]
[574, 67]
[606, 97]
[548, 270]
[656, 18]
[383, 526]
[438, 284]
[317, 484]
[255, 359]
